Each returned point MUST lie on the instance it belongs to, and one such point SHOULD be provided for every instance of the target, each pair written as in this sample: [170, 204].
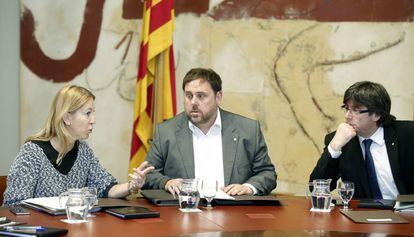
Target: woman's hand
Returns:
[138, 176]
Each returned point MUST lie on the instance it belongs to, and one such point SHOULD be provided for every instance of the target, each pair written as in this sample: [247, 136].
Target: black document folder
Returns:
[248, 200]
[132, 212]
[160, 197]
[163, 198]
[377, 204]
[47, 232]
[105, 203]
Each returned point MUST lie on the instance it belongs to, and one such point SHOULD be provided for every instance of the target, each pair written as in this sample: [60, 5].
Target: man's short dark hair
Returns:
[206, 74]
[373, 96]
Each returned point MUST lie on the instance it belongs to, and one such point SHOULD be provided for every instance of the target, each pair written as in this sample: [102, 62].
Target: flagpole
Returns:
[158, 87]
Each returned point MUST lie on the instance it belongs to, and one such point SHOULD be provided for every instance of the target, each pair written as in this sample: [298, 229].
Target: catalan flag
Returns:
[155, 99]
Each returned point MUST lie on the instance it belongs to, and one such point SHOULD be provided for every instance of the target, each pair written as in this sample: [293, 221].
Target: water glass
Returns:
[346, 191]
[189, 197]
[320, 194]
[91, 197]
[209, 190]
[76, 204]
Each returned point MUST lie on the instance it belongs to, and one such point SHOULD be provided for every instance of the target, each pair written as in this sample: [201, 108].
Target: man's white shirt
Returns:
[208, 153]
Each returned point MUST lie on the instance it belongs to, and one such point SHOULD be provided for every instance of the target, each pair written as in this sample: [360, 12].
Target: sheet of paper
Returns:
[52, 203]
[74, 221]
[189, 210]
[220, 195]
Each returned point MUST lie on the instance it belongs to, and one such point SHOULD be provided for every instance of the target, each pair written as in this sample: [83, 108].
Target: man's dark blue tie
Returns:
[370, 167]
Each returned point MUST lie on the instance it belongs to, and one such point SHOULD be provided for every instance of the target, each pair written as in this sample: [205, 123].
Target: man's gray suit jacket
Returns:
[245, 154]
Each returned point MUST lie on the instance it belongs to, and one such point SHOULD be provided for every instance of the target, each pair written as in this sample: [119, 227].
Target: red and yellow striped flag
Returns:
[155, 99]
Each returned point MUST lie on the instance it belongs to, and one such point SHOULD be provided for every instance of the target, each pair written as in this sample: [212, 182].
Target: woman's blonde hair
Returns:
[69, 99]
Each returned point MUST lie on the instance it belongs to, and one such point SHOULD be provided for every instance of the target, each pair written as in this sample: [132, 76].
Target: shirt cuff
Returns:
[252, 187]
[334, 154]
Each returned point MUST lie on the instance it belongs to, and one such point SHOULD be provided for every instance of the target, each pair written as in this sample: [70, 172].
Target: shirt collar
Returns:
[377, 137]
[217, 123]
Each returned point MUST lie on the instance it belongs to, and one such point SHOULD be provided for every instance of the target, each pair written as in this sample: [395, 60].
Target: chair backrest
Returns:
[2, 187]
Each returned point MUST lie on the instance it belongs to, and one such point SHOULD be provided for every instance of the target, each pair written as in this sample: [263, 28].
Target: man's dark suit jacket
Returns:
[399, 140]
[245, 155]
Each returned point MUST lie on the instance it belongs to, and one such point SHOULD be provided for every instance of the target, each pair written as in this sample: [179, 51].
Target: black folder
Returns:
[132, 212]
[164, 198]
[377, 204]
[47, 232]
[160, 197]
[248, 200]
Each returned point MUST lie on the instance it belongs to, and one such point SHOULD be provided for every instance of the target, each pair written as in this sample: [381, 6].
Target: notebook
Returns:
[51, 205]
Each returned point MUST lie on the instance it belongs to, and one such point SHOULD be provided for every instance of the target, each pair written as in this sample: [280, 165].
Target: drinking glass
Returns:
[346, 191]
[75, 203]
[209, 190]
[91, 197]
[189, 195]
[320, 193]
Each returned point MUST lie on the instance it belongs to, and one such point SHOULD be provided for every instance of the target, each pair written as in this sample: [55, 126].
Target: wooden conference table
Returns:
[293, 218]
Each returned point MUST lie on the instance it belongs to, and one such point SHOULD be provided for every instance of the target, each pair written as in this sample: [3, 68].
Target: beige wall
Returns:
[272, 70]
[9, 83]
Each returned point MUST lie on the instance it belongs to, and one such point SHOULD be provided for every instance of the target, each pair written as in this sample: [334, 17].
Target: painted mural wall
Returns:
[286, 64]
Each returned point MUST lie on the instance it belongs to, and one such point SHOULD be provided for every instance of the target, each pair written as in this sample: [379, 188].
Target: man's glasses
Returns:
[354, 111]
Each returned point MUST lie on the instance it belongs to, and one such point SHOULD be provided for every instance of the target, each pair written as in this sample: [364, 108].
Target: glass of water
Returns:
[75, 203]
[346, 191]
[209, 190]
[91, 197]
[189, 195]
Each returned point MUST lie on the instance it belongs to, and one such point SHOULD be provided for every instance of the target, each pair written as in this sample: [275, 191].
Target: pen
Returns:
[24, 228]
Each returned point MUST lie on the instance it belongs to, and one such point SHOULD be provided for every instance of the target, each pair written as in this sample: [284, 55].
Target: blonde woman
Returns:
[57, 157]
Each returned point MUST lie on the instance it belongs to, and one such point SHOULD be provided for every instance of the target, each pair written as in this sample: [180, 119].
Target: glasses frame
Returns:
[354, 111]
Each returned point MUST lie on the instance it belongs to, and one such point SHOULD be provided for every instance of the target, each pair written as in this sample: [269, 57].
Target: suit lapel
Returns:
[230, 139]
[391, 143]
[184, 140]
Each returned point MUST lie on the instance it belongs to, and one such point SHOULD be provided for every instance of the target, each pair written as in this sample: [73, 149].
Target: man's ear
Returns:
[376, 117]
[219, 96]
